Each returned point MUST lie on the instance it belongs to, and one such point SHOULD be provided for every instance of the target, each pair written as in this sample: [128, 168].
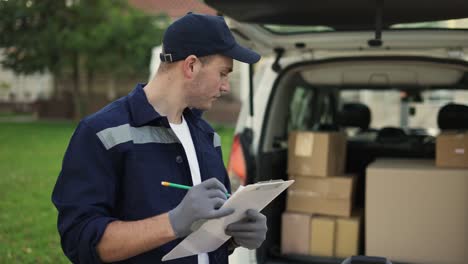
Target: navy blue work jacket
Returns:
[113, 169]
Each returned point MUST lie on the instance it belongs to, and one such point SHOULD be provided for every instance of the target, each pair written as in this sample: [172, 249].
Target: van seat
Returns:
[355, 115]
[453, 117]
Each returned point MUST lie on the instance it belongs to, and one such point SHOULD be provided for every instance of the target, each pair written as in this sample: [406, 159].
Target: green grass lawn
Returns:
[30, 160]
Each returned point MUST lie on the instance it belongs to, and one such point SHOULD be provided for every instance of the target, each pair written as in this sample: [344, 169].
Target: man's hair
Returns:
[206, 59]
[165, 66]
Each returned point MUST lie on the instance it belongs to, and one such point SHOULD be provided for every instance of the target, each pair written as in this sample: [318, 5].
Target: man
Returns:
[112, 206]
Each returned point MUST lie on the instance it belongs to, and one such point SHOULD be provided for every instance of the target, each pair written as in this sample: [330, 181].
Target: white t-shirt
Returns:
[183, 133]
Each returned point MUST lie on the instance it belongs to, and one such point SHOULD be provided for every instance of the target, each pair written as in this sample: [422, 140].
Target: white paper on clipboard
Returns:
[210, 235]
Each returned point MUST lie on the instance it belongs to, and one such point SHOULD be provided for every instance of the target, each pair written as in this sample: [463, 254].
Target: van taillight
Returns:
[236, 166]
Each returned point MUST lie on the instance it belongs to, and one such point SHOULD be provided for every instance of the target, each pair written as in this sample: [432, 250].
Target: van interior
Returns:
[388, 107]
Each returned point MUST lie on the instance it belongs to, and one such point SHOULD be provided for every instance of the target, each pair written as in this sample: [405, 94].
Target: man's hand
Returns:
[201, 202]
[249, 232]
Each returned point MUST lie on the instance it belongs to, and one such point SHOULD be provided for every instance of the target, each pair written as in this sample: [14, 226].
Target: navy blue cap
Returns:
[202, 35]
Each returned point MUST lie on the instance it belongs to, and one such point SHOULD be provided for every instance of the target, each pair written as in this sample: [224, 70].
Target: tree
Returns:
[61, 36]
[126, 40]
[32, 33]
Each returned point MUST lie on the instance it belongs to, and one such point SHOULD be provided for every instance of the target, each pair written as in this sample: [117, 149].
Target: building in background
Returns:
[35, 93]
[173, 8]
[19, 92]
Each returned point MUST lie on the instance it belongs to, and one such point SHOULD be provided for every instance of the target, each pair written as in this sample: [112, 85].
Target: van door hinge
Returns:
[279, 53]
[377, 41]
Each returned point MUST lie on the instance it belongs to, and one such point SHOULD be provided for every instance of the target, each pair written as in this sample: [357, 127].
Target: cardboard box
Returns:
[416, 212]
[348, 233]
[295, 232]
[317, 154]
[322, 236]
[328, 196]
[452, 149]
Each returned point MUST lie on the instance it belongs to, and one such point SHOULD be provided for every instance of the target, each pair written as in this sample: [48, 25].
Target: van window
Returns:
[300, 113]
[411, 109]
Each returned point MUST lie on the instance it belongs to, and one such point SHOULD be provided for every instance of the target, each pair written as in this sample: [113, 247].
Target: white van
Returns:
[375, 69]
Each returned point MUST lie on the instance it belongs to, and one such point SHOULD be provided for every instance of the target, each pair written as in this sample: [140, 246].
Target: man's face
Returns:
[210, 82]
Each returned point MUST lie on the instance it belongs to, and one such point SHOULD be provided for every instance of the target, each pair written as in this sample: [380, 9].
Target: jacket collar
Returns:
[143, 113]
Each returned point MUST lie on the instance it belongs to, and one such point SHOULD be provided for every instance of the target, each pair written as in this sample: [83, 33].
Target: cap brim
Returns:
[242, 54]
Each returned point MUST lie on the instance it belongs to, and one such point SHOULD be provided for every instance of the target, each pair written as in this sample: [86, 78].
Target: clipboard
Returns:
[210, 236]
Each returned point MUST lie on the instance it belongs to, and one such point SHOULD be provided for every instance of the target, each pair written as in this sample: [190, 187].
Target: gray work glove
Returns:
[249, 232]
[201, 202]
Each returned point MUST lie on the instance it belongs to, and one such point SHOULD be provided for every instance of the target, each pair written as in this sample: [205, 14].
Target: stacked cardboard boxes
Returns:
[320, 235]
[327, 196]
[318, 218]
[316, 154]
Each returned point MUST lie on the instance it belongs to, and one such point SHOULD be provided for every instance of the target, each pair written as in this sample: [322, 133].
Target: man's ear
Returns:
[191, 66]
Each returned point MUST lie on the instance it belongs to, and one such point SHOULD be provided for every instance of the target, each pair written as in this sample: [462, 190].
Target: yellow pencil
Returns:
[180, 186]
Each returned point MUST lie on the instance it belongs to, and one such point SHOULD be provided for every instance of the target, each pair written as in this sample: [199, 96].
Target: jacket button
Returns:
[179, 159]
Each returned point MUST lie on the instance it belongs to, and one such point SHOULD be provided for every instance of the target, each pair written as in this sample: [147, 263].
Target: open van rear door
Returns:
[340, 14]
[304, 26]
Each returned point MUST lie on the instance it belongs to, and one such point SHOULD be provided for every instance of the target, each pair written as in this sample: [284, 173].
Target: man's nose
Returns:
[225, 87]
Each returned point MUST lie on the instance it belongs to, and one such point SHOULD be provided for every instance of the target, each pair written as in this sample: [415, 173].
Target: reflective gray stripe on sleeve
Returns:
[216, 140]
[113, 136]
